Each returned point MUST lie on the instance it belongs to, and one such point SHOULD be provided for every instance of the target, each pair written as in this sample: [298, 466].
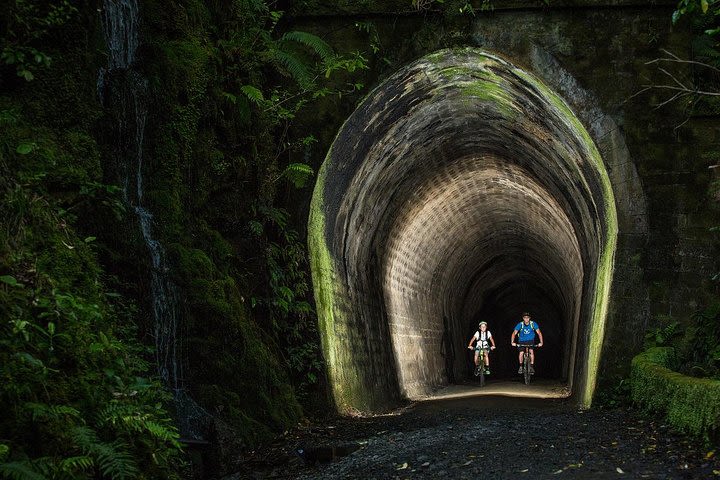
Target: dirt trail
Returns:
[492, 437]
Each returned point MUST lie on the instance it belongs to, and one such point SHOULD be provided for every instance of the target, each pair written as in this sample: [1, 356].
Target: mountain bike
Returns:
[480, 367]
[526, 361]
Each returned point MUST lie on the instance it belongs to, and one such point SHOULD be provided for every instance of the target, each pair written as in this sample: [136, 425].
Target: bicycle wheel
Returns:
[526, 367]
[482, 368]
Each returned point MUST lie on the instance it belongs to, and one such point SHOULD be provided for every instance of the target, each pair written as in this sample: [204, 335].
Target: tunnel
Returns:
[461, 189]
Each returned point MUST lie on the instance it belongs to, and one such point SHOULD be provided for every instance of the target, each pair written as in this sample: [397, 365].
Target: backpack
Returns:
[532, 325]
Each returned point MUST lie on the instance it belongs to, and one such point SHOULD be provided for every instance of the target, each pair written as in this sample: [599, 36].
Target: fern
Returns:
[19, 471]
[298, 173]
[41, 411]
[80, 463]
[129, 418]
[253, 94]
[295, 66]
[315, 43]
[112, 459]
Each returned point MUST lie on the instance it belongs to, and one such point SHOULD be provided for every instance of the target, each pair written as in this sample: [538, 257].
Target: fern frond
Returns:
[298, 173]
[112, 459]
[76, 464]
[253, 94]
[315, 43]
[128, 417]
[115, 461]
[19, 471]
[42, 411]
[162, 432]
[295, 66]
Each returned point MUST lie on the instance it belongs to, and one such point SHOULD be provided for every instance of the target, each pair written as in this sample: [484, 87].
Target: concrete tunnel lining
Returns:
[424, 206]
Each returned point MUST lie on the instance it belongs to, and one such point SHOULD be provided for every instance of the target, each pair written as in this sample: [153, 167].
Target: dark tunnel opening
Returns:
[502, 309]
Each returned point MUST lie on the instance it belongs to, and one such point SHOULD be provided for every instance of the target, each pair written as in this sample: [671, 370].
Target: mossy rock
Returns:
[691, 405]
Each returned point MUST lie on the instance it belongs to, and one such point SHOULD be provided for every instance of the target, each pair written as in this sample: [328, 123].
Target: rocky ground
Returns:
[488, 437]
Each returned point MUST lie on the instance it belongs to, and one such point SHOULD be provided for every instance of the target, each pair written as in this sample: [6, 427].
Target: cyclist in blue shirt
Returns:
[525, 332]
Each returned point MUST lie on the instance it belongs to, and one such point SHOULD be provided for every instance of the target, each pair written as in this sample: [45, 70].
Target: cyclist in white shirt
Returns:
[483, 340]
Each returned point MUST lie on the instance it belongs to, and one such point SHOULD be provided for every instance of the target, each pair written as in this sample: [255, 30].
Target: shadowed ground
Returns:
[488, 436]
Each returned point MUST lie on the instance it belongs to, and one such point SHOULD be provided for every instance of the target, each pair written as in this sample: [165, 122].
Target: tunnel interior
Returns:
[462, 189]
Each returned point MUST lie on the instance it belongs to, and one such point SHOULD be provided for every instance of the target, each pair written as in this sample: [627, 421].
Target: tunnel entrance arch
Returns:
[461, 187]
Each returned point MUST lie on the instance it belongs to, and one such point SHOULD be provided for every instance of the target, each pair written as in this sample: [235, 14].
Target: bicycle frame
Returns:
[526, 361]
[480, 367]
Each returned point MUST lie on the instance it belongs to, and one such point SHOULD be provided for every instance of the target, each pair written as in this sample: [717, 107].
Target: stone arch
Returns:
[461, 183]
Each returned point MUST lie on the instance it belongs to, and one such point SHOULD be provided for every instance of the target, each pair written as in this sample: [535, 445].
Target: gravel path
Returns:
[491, 437]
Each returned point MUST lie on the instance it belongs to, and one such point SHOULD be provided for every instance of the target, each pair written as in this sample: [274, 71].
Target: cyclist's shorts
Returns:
[530, 343]
[477, 349]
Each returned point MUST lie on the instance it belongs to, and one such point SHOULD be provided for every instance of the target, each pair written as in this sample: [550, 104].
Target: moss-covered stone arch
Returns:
[423, 207]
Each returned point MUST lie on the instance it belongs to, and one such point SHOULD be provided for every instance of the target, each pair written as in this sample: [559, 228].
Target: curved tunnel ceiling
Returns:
[457, 183]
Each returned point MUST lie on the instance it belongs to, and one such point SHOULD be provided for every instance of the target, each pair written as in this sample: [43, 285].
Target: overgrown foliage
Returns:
[28, 23]
[75, 393]
[264, 78]
[702, 353]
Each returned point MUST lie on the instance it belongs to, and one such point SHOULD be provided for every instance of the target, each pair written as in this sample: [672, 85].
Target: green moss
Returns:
[691, 405]
[322, 271]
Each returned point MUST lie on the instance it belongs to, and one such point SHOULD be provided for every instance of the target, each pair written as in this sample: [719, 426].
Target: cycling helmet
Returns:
[482, 323]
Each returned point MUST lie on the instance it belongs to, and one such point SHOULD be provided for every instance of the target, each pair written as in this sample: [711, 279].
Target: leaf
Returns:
[402, 467]
[295, 66]
[90, 239]
[10, 280]
[619, 470]
[25, 148]
[32, 361]
[315, 43]
[298, 173]
[253, 94]
[78, 463]
[704, 5]
[19, 471]
[232, 98]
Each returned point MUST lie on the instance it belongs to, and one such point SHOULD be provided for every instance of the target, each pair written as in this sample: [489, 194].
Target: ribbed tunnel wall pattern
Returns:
[461, 187]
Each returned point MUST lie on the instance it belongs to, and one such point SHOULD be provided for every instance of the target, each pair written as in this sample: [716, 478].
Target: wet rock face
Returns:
[461, 189]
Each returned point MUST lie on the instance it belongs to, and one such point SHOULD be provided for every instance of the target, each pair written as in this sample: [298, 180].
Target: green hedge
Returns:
[691, 405]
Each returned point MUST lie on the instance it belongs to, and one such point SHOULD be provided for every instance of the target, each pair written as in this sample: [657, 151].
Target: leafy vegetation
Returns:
[702, 353]
[76, 393]
[31, 23]
[263, 79]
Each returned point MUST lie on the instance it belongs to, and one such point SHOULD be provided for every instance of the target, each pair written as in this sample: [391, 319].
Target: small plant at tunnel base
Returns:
[664, 332]
[702, 354]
